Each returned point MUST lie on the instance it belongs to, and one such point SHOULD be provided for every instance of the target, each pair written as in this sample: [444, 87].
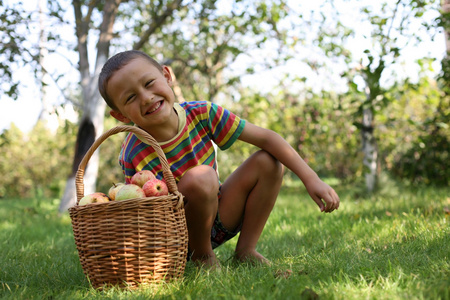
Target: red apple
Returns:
[94, 198]
[155, 187]
[129, 191]
[142, 177]
[113, 190]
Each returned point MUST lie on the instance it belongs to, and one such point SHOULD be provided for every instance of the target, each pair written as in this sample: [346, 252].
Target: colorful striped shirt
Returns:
[200, 124]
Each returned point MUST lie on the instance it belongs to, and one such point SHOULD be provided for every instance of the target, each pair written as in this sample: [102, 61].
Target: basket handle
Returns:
[145, 137]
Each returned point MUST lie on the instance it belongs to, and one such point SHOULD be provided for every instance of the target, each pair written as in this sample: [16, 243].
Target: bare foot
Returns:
[252, 257]
[209, 262]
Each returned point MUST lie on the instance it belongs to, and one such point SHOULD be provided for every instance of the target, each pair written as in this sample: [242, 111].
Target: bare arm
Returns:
[278, 147]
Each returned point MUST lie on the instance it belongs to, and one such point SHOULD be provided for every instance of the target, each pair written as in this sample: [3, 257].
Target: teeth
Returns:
[155, 108]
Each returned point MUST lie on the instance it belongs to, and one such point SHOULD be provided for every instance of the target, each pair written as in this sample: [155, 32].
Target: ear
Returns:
[118, 116]
[167, 72]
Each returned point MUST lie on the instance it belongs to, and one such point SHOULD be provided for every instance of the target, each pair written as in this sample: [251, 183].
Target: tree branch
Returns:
[81, 30]
[157, 23]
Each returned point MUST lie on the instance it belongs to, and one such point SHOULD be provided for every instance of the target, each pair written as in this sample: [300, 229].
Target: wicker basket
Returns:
[130, 242]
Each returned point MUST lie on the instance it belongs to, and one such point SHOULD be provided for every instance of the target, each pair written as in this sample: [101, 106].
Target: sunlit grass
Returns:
[392, 245]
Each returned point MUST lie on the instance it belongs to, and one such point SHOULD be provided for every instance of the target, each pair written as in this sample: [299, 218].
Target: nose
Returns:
[147, 97]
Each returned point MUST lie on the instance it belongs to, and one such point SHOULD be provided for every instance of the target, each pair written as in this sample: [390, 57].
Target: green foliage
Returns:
[13, 51]
[206, 40]
[391, 29]
[391, 246]
[35, 164]
[427, 159]
[202, 41]
[424, 155]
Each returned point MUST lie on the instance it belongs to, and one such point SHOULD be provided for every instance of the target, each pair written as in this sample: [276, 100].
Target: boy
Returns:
[139, 90]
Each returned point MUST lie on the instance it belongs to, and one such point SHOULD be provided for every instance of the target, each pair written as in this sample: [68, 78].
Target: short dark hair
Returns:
[115, 63]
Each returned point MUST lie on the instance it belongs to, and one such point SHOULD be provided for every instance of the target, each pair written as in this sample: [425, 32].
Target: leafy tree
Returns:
[14, 49]
[206, 40]
[426, 160]
[391, 31]
[33, 163]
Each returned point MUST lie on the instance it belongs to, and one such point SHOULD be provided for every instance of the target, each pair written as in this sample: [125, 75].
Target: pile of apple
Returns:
[143, 184]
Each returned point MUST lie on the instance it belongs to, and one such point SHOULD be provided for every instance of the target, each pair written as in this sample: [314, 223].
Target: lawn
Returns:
[393, 245]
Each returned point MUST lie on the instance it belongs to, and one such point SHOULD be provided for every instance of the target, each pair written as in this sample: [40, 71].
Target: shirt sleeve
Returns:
[225, 127]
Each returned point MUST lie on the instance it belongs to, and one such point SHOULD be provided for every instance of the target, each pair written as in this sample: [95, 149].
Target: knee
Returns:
[268, 165]
[200, 182]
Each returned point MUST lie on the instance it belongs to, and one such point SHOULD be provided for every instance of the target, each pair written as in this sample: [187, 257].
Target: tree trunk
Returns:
[91, 125]
[446, 10]
[445, 4]
[369, 148]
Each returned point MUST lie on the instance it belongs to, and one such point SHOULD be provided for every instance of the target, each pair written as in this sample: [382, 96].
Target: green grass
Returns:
[393, 245]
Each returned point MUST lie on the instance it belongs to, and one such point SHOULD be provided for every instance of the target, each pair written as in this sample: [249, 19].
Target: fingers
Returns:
[331, 200]
[324, 196]
[319, 203]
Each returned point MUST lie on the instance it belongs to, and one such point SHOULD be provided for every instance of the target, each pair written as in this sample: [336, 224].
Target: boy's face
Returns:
[142, 94]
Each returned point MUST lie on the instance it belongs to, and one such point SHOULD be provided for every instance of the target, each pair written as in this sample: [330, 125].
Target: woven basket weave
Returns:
[130, 242]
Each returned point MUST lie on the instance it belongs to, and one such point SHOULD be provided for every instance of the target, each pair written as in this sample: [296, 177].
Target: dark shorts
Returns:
[219, 234]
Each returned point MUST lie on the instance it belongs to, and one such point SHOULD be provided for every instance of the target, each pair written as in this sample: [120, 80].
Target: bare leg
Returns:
[248, 196]
[200, 187]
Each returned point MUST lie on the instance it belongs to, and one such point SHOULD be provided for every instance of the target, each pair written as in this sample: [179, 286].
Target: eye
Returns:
[148, 83]
[130, 98]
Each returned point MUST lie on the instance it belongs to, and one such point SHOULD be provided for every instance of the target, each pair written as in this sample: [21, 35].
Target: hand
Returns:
[321, 192]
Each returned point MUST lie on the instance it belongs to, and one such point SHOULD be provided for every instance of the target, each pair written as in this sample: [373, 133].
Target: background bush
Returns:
[412, 134]
[36, 164]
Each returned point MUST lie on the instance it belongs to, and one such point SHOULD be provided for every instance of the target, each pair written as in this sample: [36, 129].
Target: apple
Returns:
[113, 190]
[94, 198]
[142, 177]
[155, 187]
[129, 191]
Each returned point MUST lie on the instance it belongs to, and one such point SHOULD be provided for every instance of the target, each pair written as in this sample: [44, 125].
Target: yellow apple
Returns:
[129, 191]
[113, 190]
[94, 198]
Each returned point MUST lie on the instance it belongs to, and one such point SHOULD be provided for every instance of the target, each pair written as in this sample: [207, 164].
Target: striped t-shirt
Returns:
[200, 123]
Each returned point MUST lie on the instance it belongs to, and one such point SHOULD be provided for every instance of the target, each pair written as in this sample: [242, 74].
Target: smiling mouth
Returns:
[154, 108]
